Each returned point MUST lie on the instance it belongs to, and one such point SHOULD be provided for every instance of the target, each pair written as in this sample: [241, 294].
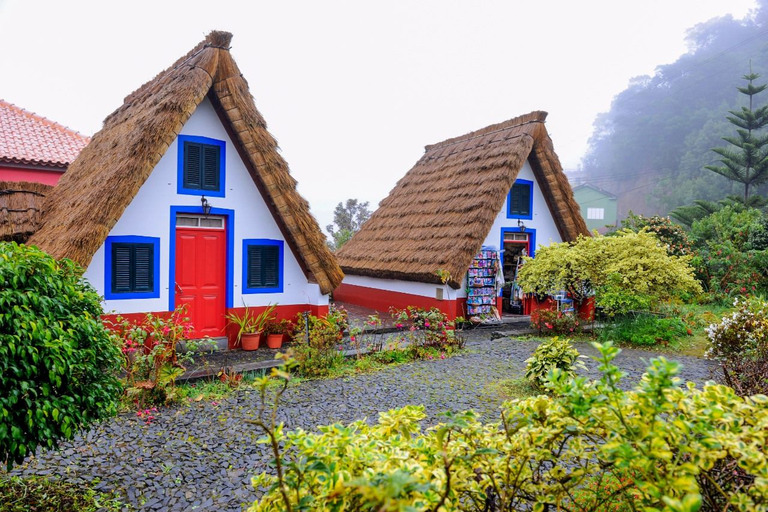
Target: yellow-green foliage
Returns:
[550, 354]
[544, 454]
[617, 269]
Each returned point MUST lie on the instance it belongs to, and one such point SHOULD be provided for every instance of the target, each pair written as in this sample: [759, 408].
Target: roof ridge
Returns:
[47, 122]
[537, 116]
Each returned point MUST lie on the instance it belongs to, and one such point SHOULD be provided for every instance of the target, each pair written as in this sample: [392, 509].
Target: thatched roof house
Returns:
[20, 209]
[198, 112]
[452, 202]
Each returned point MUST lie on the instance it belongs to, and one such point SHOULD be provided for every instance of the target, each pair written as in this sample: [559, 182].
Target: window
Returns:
[201, 166]
[520, 200]
[262, 266]
[198, 221]
[131, 269]
[595, 213]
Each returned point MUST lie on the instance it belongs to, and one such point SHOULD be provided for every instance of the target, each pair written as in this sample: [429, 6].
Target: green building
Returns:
[598, 207]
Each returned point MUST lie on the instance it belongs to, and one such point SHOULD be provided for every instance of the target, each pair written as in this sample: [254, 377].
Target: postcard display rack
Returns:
[481, 280]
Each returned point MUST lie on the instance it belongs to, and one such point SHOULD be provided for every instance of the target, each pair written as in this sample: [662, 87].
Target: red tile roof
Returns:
[27, 138]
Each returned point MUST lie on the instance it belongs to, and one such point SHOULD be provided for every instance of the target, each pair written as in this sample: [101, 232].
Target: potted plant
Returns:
[250, 326]
[276, 331]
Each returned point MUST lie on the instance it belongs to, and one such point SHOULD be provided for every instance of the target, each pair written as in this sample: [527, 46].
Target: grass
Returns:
[40, 494]
[510, 389]
[691, 340]
[696, 318]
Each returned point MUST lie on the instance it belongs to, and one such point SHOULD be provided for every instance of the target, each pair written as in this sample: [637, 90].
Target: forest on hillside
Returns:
[651, 147]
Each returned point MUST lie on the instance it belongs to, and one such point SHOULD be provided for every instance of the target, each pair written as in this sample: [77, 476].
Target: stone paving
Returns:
[202, 456]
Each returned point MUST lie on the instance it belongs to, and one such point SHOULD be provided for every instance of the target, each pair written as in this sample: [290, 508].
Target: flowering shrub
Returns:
[152, 361]
[367, 336]
[147, 415]
[426, 332]
[739, 342]
[669, 233]
[658, 447]
[553, 353]
[556, 322]
[731, 257]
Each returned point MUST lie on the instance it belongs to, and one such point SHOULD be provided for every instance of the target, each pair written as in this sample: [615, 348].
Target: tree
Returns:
[650, 148]
[748, 164]
[58, 364]
[347, 219]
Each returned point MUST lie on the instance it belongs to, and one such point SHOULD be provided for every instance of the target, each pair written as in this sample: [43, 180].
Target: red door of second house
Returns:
[201, 278]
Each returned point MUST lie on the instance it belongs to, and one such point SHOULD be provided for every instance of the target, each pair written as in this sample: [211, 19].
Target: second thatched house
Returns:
[452, 232]
[183, 198]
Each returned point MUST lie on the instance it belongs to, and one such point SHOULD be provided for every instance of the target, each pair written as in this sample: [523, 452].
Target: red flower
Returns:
[549, 325]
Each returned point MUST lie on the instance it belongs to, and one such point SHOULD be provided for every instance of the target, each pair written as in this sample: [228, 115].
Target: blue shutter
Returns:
[255, 267]
[210, 167]
[121, 268]
[132, 267]
[193, 163]
[520, 199]
[271, 265]
[143, 272]
[263, 266]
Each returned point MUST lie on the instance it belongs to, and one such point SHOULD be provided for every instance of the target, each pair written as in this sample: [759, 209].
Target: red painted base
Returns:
[34, 175]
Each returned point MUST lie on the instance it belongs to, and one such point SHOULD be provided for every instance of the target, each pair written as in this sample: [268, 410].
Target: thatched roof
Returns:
[99, 185]
[20, 205]
[441, 211]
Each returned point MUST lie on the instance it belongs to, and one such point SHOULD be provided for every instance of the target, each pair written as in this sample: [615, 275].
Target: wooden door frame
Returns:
[229, 240]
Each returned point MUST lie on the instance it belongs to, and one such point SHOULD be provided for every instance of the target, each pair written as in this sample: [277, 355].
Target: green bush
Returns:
[553, 353]
[685, 449]
[732, 254]
[58, 365]
[318, 342]
[623, 271]
[644, 330]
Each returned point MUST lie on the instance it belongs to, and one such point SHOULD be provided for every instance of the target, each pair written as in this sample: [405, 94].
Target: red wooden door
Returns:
[201, 278]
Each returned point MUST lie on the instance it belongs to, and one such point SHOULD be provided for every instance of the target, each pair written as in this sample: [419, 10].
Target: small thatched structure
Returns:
[20, 209]
[441, 211]
[104, 179]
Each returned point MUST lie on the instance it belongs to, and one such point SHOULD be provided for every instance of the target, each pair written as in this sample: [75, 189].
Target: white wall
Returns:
[394, 285]
[149, 215]
[542, 222]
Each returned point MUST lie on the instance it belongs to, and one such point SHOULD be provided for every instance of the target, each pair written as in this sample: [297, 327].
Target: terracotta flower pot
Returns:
[275, 340]
[250, 341]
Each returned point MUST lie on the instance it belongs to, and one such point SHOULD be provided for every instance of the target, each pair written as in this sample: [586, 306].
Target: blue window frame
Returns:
[263, 266]
[230, 222]
[131, 267]
[201, 166]
[520, 200]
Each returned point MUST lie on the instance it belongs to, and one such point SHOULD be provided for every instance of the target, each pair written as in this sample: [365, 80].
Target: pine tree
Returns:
[748, 164]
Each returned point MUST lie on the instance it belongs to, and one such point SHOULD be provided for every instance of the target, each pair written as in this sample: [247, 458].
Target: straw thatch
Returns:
[441, 211]
[20, 206]
[104, 179]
